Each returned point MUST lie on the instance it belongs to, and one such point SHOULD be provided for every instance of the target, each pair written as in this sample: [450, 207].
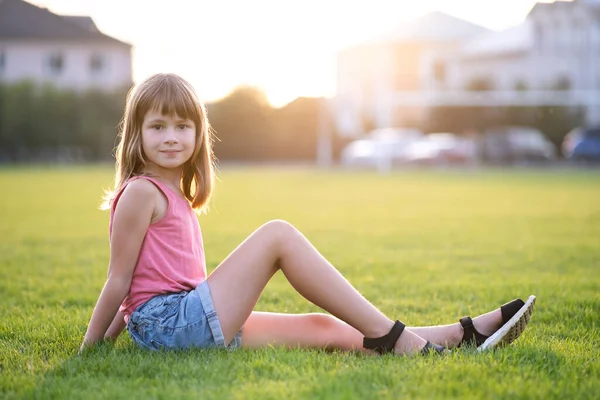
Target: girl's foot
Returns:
[488, 323]
[459, 334]
[409, 343]
[401, 341]
[478, 330]
[514, 322]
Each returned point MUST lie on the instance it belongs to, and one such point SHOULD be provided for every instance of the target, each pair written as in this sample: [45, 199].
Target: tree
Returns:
[45, 122]
[242, 124]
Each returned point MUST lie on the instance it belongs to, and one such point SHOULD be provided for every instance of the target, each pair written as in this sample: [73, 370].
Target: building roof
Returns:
[20, 20]
[515, 40]
[546, 6]
[592, 6]
[82, 21]
[436, 26]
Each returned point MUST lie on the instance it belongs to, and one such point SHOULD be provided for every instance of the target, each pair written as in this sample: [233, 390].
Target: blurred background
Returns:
[374, 84]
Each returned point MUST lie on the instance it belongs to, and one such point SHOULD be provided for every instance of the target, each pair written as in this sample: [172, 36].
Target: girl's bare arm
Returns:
[116, 327]
[131, 220]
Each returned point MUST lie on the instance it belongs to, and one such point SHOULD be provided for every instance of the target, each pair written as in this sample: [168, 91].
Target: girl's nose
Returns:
[170, 137]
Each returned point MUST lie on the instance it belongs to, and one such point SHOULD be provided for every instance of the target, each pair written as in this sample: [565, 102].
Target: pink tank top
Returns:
[171, 258]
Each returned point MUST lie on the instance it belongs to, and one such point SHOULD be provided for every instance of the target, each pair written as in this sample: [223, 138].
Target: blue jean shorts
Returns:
[179, 321]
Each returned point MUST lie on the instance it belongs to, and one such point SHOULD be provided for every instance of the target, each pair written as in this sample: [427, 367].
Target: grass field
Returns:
[427, 247]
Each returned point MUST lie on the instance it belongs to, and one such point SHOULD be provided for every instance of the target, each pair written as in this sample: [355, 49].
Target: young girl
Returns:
[157, 284]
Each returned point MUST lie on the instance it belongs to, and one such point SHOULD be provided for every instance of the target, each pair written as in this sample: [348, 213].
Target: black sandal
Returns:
[472, 337]
[386, 344]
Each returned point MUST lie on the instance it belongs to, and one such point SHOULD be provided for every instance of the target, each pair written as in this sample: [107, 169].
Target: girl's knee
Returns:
[278, 224]
[334, 333]
[280, 235]
[322, 322]
[278, 229]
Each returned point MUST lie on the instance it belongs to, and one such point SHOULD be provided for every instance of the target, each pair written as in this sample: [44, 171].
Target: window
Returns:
[56, 63]
[520, 85]
[582, 38]
[557, 37]
[96, 64]
[439, 71]
[539, 33]
[562, 83]
[480, 84]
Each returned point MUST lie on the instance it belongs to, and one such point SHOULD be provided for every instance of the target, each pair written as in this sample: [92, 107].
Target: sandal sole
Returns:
[512, 329]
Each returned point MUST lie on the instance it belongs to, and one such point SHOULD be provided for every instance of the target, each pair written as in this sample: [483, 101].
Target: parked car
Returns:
[582, 144]
[441, 148]
[395, 134]
[380, 148]
[513, 144]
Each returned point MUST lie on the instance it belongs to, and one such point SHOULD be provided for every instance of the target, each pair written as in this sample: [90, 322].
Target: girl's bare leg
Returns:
[317, 331]
[323, 331]
[238, 281]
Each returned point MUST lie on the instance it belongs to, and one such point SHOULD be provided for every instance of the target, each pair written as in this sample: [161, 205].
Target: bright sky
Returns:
[287, 48]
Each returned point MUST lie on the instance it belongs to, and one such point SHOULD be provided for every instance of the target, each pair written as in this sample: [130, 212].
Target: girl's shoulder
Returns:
[134, 207]
[148, 193]
[140, 187]
[136, 190]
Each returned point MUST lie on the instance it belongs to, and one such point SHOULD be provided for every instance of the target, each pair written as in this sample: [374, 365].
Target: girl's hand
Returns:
[85, 347]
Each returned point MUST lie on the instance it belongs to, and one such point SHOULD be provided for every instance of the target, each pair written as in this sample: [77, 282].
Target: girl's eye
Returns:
[183, 126]
[157, 127]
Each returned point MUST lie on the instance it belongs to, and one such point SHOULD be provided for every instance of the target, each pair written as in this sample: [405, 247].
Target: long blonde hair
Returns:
[171, 95]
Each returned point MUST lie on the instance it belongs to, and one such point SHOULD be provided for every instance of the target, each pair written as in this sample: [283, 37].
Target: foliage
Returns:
[249, 129]
[554, 122]
[46, 123]
[242, 124]
[49, 124]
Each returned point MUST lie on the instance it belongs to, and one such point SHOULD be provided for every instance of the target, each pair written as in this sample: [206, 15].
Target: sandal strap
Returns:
[470, 335]
[432, 348]
[386, 343]
[510, 309]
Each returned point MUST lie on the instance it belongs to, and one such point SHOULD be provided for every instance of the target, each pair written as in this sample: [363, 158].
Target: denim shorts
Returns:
[179, 321]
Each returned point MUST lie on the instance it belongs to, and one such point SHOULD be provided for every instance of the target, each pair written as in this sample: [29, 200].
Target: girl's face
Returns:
[168, 141]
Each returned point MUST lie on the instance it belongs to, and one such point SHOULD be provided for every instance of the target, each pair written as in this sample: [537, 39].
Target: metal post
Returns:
[324, 156]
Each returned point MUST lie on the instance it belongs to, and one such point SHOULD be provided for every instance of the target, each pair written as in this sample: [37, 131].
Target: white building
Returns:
[552, 49]
[552, 58]
[369, 75]
[67, 51]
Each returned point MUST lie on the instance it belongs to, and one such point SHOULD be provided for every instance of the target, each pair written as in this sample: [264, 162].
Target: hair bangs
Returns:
[171, 97]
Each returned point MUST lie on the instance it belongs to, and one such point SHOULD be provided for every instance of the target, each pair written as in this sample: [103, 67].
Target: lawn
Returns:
[427, 247]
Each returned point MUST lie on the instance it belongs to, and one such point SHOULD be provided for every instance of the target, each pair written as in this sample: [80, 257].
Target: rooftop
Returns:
[517, 39]
[22, 20]
[436, 26]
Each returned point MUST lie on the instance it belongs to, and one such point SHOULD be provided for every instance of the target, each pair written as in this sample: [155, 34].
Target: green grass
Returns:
[426, 247]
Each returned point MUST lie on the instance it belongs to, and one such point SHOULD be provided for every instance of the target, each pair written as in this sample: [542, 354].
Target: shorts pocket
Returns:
[167, 320]
[157, 345]
[160, 308]
[157, 339]
[194, 335]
